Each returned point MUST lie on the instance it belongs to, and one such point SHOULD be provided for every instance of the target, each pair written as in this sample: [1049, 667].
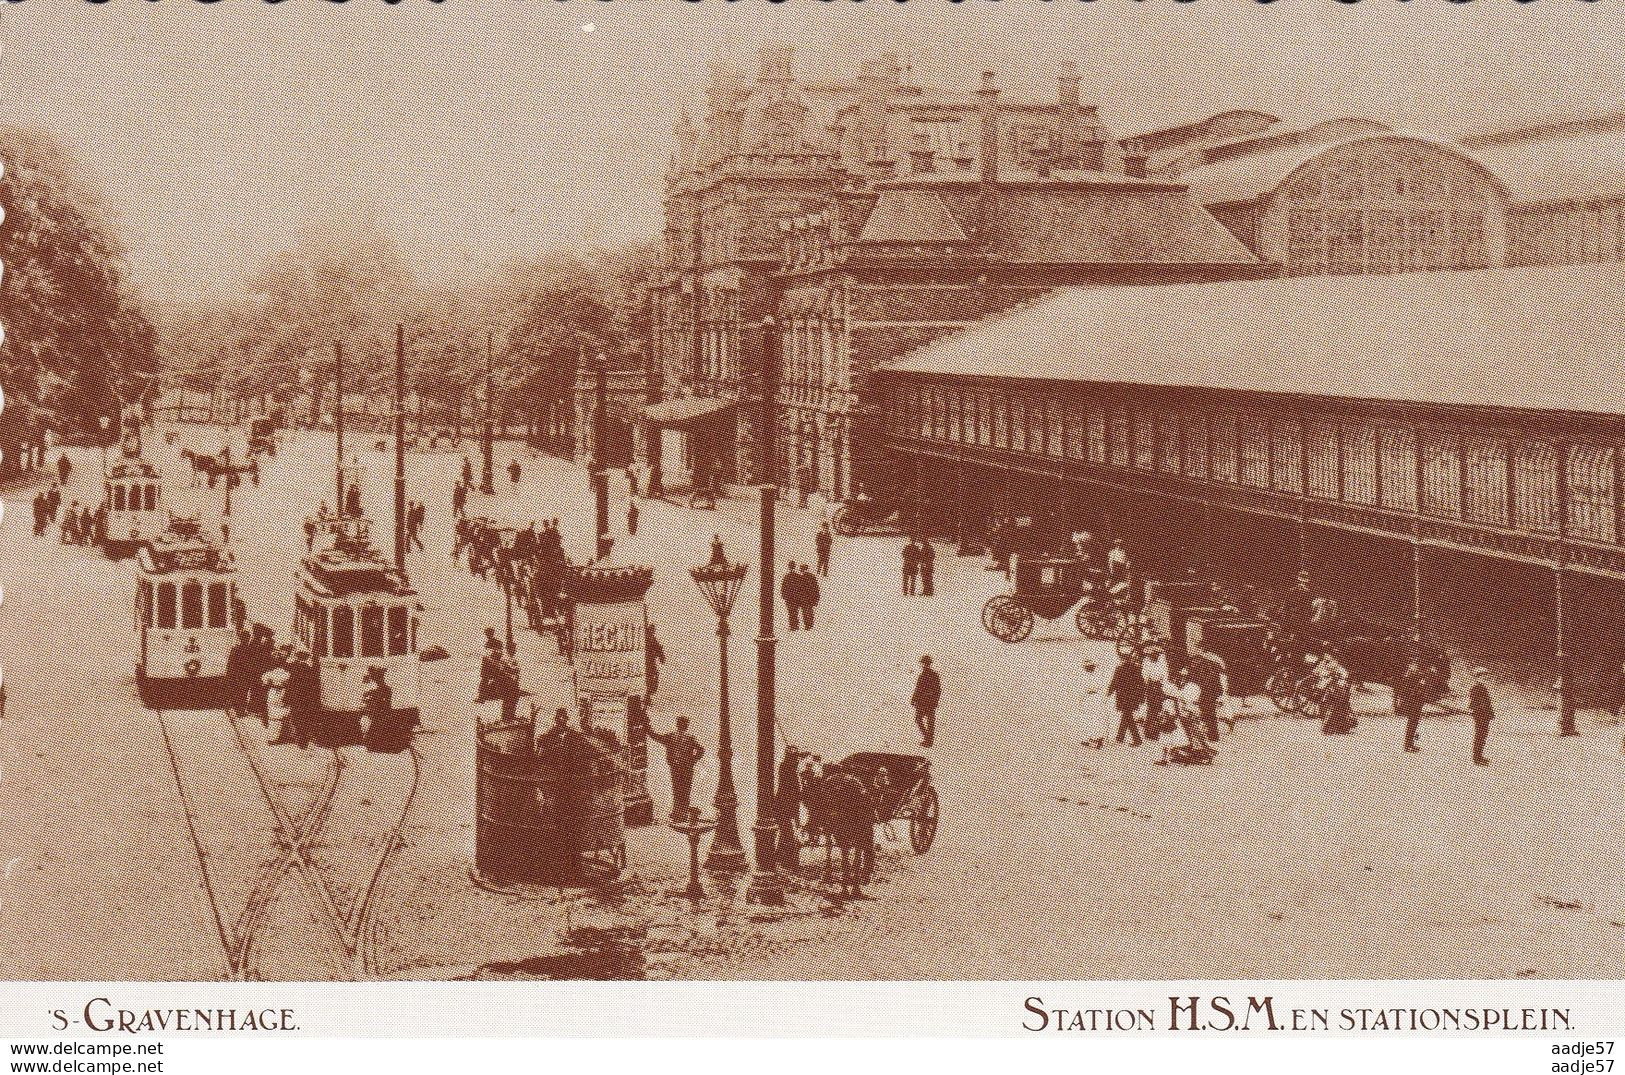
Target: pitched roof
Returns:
[1543, 338]
[910, 216]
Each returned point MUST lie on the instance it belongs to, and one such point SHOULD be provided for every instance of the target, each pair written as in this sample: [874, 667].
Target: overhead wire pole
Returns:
[766, 886]
[338, 426]
[487, 485]
[400, 448]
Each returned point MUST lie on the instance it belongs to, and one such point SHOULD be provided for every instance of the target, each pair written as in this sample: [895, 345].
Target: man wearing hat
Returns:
[927, 694]
[1482, 709]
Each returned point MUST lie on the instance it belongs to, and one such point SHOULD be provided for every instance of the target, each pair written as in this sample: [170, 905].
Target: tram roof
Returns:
[1546, 338]
[334, 573]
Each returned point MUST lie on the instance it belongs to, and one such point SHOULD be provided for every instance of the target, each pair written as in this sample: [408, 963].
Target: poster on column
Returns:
[608, 644]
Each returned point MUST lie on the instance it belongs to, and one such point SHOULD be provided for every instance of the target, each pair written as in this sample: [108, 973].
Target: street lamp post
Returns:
[720, 582]
[105, 422]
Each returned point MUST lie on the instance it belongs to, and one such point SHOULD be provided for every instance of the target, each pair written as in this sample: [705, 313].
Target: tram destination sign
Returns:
[608, 645]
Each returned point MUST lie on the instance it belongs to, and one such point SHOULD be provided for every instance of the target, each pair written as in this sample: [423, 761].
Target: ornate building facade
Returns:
[817, 231]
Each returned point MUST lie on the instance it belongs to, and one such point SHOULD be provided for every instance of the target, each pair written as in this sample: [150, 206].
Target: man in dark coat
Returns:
[787, 808]
[822, 543]
[238, 660]
[927, 693]
[683, 753]
[911, 568]
[1127, 691]
[790, 593]
[927, 559]
[304, 700]
[1483, 711]
[810, 593]
[1408, 702]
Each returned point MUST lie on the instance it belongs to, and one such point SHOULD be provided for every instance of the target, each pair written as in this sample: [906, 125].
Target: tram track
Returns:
[293, 857]
[319, 886]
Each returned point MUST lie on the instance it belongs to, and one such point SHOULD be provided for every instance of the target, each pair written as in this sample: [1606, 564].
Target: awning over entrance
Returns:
[687, 410]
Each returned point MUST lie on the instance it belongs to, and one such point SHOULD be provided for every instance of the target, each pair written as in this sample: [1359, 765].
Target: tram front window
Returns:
[166, 604]
[372, 631]
[192, 605]
[343, 631]
[399, 630]
[219, 605]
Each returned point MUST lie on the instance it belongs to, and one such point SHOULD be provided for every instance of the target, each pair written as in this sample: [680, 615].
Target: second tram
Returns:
[134, 499]
[354, 613]
[185, 616]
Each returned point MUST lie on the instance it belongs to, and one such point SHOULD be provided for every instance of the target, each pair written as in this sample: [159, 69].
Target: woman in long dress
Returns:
[276, 694]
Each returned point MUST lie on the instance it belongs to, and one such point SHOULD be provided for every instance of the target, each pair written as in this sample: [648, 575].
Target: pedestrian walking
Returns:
[238, 661]
[304, 701]
[1482, 708]
[459, 498]
[822, 543]
[632, 517]
[790, 594]
[927, 695]
[64, 467]
[1127, 689]
[1337, 692]
[911, 568]
[810, 593]
[513, 471]
[1408, 702]
[683, 753]
[927, 559]
[468, 472]
[632, 483]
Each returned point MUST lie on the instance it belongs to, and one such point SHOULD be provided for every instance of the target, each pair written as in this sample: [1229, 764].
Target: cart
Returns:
[910, 796]
[1048, 587]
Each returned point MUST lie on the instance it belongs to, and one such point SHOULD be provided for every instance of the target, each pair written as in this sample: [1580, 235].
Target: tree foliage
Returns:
[78, 340]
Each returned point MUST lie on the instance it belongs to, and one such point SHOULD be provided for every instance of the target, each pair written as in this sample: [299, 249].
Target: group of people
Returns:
[533, 566]
[80, 523]
[281, 684]
[1179, 707]
[800, 592]
[919, 568]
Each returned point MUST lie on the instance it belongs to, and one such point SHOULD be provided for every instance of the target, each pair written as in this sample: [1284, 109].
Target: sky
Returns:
[484, 130]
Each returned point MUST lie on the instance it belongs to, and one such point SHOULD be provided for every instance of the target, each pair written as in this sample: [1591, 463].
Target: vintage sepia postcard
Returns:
[574, 499]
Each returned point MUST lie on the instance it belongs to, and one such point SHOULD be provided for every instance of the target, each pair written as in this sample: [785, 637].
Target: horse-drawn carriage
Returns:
[1369, 650]
[1048, 587]
[862, 513]
[906, 795]
[262, 437]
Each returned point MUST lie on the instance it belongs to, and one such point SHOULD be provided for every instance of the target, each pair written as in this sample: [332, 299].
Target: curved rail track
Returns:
[336, 922]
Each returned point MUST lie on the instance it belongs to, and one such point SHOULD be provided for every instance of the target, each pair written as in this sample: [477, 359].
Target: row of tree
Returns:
[78, 343]
[81, 342]
[351, 282]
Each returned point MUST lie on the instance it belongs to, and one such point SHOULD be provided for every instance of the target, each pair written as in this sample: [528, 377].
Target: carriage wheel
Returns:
[843, 522]
[922, 827]
[1283, 692]
[1091, 624]
[1006, 620]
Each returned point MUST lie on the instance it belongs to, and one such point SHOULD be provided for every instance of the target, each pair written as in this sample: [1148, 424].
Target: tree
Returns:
[79, 343]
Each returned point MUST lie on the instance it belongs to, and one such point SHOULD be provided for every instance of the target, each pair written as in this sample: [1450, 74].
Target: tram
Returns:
[133, 488]
[355, 612]
[185, 602]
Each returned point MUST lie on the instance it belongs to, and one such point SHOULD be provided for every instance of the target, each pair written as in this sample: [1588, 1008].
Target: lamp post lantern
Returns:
[720, 583]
